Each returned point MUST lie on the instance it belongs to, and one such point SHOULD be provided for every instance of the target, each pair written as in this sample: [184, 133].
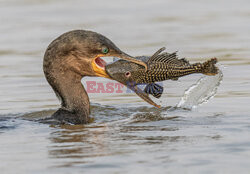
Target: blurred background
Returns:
[213, 138]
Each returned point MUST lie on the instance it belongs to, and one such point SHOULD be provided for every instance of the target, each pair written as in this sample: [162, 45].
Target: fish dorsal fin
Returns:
[157, 53]
[164, 57]
[169, 58]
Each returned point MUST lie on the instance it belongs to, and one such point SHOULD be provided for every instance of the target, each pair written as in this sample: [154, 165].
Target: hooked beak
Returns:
[98, 64]
[124, 56]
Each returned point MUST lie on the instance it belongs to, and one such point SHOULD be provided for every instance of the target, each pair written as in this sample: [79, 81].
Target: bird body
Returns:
[68, 59]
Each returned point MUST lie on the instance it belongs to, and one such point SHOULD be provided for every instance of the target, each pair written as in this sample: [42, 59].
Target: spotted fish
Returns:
[161, 66]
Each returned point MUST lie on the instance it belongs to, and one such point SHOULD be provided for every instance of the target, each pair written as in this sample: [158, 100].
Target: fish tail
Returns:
[208, 67]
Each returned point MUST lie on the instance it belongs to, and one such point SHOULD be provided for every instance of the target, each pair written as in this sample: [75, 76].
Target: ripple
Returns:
[7, 123]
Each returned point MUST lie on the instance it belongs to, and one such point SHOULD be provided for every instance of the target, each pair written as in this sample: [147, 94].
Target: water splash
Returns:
[201, 92]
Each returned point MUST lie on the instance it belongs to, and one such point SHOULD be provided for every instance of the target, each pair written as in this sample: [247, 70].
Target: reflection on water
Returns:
[78, 143]
[127, 135]
[83, 144]
[109, 146]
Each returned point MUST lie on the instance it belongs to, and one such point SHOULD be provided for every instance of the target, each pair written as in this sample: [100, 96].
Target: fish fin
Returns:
[159, 57]
[209, 68]
[157, 52]
[143, 95]
[185, 61]
[154, 89]
[169, 58]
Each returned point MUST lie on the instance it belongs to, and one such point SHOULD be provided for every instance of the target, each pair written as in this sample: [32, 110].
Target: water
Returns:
[128, 135]
[201, 92]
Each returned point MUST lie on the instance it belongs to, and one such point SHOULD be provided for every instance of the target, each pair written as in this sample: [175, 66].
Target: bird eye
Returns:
[128, 74]
[105, 50]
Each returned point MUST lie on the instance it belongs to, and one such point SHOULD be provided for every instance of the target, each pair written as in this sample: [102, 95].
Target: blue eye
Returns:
[105, 50]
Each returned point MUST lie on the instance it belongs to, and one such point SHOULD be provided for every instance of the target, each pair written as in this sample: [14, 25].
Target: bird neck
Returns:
[74, 98]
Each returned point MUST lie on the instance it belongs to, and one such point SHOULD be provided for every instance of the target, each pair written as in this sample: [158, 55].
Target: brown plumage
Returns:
[67, 60]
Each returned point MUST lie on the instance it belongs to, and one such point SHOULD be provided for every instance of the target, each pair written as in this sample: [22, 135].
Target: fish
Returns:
[160, 67]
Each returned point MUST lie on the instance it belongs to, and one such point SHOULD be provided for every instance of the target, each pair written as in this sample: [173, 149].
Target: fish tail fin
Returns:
[208, 67]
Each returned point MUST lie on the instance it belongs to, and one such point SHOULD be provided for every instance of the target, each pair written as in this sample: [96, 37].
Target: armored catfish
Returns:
[161, 66]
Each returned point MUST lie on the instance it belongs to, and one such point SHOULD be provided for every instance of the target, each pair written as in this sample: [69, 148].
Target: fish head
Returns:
[128, 74]
[124, 72]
